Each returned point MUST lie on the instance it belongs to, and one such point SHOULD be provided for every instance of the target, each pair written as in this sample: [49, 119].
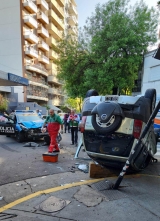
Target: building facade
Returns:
[151, 73]
[29, 30]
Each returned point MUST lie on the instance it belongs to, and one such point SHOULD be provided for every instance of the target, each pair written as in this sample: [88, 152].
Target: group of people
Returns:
[55, 123]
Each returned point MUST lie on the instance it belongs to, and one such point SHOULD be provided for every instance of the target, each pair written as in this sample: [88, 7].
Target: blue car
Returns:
[23, 125]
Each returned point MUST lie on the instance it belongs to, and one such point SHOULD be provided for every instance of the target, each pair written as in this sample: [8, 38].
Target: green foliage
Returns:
[3, 103]
[74, 103]
[110, 49]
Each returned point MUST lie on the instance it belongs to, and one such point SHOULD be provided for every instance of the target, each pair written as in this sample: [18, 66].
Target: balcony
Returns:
[43, 32]
[29, 36]
[61, 2]
[56, 7]
[56, 20]
[53, 55]
[43, 4]
[54, 79]
[43, 59]
[30, 21]
[43, 46]
[42, 18]
[38, 83]
[30, 6]
[32, 96]
[36, 68]
[51, 42]
[55, 91]
[51, 66]
[54, 31]
[72, 20]
[31, 52]
[72, 9]
[73, 30]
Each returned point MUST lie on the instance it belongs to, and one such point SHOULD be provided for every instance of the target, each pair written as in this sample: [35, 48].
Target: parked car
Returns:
[111, 126]
[23, 125]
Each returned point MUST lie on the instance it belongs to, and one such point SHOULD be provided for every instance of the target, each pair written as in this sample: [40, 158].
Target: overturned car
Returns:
[112, 125]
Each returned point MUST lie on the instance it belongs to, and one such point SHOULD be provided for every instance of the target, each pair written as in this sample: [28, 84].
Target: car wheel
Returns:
[151, 94]
[47, 140]
[91, 92]
[112, 125]
[20, 137]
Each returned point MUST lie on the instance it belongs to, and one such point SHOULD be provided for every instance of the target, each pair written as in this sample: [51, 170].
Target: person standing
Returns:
[39, 113]
[53, 122]
[73, 121]
[66, 123]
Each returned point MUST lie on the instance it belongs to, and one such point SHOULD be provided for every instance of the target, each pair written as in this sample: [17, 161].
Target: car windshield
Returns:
[28, 117]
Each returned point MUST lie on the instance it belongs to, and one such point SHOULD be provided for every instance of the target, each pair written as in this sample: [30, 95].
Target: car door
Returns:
[7, 125]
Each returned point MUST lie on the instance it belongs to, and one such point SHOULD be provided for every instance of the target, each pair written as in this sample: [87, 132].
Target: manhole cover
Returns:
[53, 204]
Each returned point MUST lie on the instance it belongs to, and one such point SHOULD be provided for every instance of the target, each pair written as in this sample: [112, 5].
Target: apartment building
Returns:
[29, 30]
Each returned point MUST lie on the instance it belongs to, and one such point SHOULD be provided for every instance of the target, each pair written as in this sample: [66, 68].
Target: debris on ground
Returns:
[31, 144]
[1, 197]
[84, 167]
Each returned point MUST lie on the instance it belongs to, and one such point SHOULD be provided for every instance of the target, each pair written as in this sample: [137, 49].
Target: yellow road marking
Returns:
[51, 190]
[65, 186]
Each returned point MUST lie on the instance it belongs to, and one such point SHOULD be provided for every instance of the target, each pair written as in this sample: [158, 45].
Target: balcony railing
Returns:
[43, 46]
[61, 2]
[38, 94]
[42, 17]
[43, 32]
[72, 20]
[54, 31]
[54, 79]
[51, 42]
[43, 4]
[72, 9]
[30, 21]
[30, 6]
[53, 55]
[31, 52]
[73, 30]
[43, 59]
[29, 36]
[36, 68]
[59, 22]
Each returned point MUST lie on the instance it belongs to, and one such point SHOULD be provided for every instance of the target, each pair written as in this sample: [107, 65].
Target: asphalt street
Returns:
[34, 190]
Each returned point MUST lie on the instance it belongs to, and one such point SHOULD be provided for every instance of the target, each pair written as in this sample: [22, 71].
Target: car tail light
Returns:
[137, 128]
[82, 124]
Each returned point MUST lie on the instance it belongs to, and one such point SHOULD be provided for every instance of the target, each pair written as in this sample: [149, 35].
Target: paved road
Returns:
[20, 163]
[31, 182]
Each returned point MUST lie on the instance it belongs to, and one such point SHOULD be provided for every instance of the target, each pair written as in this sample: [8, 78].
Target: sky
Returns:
[86, 7]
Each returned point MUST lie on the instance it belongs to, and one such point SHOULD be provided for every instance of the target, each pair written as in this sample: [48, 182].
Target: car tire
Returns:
[47, 140]
[20, 137]
[91, 92]
[151, 94]
[109, 126]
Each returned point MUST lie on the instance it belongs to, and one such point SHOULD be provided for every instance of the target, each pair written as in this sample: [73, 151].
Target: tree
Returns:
[3, 103]
[110, 49]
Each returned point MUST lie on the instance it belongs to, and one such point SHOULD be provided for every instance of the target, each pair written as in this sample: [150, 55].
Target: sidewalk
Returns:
[74, 196]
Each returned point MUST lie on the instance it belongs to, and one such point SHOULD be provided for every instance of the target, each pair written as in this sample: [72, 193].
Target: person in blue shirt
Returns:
[39, 113]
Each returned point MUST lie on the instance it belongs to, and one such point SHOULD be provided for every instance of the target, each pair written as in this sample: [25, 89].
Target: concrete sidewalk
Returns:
[72, 196]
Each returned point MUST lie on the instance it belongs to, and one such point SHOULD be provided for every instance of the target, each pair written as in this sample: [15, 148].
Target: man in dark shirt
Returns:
[66, 124]
[53, 122]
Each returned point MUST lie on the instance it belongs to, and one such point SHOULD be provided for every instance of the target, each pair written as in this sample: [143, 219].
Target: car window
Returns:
[28, 117]
[5, 119]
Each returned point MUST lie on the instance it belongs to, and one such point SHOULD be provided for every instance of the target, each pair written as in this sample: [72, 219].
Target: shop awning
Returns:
[9, 79]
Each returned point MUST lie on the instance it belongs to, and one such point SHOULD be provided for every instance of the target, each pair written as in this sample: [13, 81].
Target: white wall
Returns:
[10, 40]
[151, 75]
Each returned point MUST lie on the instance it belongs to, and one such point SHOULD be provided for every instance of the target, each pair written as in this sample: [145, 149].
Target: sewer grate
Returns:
[102, 185]
[5, 216]
[105, 187]
[113, 194]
